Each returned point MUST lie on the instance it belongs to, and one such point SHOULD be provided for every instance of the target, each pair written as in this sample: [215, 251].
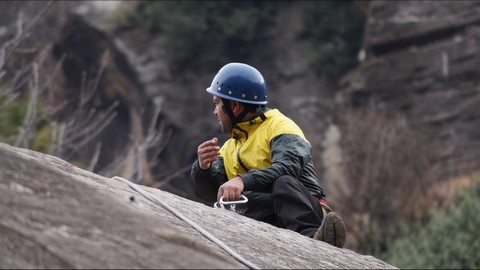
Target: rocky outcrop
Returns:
[55, 215]
[422, 58]
[140, 134]
[90, 89]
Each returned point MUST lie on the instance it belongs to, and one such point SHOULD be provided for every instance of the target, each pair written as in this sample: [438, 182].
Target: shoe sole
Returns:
[334, 231]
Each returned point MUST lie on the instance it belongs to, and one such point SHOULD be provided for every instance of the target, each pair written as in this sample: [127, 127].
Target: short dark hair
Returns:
[253, 108]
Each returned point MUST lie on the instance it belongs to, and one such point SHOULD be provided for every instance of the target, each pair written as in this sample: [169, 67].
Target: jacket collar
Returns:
[242, 129]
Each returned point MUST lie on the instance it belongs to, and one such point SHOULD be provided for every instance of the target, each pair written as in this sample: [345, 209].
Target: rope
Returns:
[212, 238]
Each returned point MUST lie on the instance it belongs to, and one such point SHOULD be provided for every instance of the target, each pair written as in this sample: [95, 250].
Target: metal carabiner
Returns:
[231, 204]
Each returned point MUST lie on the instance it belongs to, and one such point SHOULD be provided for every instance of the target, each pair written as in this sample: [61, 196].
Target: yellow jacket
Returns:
[248, 149]
[260, 151]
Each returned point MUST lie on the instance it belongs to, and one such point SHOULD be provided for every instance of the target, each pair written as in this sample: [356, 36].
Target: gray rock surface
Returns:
[422, 60]
[55, 215]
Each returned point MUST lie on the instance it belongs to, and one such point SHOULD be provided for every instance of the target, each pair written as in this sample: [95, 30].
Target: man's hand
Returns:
[231, 190]
[207, 153]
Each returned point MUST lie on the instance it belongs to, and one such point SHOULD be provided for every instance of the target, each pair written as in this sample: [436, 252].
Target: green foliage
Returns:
[335, 30]
[449, 240]
[80, 164]
[186, 28]
[43, 139]
[12, 114]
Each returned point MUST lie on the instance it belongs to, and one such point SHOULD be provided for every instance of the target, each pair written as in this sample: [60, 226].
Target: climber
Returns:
[267, 159]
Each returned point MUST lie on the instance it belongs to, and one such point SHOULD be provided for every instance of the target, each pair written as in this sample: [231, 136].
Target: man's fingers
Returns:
[212, 142]
[220, 193]
[207, 153]
[229, 194]
[231, 190]
[234, 195]
[209, 149]
[208, 156]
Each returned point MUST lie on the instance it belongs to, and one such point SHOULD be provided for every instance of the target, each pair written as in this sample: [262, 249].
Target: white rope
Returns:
[212, 238]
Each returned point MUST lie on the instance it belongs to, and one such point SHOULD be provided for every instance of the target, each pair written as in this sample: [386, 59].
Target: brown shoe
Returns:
[332, 230]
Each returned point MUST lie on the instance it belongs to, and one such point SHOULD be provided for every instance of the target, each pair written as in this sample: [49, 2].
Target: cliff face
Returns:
[419, 59]
[422, 59]
[55, 215]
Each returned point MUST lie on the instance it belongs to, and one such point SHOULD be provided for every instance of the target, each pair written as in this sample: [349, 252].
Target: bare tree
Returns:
[141, 155]
[69, 134]
[10, 91]
[386, 167]
[74, 126]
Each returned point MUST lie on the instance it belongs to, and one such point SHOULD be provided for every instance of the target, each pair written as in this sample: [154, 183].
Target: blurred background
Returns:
[387, 93]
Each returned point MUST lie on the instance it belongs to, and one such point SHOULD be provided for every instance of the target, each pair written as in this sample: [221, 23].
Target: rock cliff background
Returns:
[393, 134]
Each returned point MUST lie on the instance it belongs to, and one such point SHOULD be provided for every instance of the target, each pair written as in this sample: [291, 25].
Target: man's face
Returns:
[222, 117]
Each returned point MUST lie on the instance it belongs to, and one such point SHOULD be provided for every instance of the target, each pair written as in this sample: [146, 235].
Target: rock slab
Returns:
[55, 215]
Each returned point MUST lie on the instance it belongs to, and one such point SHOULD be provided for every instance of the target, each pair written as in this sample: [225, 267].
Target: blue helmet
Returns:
[239, 82]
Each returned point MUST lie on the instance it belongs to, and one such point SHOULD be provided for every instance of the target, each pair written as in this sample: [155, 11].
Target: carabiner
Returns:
[231, 204]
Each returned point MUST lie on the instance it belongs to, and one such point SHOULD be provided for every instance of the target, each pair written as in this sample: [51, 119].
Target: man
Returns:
[267, 159]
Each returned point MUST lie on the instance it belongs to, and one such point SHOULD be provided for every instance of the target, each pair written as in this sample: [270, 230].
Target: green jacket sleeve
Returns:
[289, 155]
[207, 182]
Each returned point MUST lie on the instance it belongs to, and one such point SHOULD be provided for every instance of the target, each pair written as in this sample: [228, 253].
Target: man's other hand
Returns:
[231, 190]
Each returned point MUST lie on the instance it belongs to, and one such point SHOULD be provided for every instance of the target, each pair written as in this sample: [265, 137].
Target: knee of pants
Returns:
[282, 183]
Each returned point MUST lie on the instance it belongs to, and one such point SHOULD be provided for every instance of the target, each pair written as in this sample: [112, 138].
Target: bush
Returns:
[334, 29]
[12, 117]
[186, 28]
[12, 114]
[386, 169]
[449, 240]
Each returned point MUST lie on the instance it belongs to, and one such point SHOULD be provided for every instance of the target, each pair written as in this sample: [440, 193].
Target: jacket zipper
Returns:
[240, 160]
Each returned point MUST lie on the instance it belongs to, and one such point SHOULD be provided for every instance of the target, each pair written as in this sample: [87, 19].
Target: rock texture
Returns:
[55, 215]
[423, 58]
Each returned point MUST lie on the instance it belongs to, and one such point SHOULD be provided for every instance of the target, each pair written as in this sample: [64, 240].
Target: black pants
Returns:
[290, 206]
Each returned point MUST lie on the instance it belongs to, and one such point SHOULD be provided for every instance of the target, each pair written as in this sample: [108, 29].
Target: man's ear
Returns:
[236, 106]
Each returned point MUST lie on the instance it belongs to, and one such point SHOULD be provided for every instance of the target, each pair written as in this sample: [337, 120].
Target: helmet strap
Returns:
[228, 109]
